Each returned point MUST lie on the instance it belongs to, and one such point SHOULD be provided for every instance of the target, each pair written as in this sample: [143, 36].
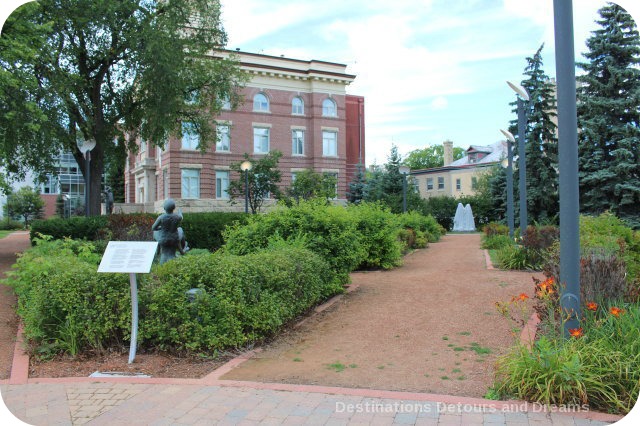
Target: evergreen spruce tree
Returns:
[541, 146]
[609, 118]
[357, 186]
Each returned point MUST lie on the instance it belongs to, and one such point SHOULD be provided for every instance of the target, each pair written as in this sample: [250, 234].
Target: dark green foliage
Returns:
[330, 232]
[75, 227]
[204, 230]
[496, 242]
[92, 69]
[423, 226]
[609, 118]
[379, 229]
[357, 187]
[245, 298]
[68, 307]
[387, 186]
[442, 208]
[64, 303]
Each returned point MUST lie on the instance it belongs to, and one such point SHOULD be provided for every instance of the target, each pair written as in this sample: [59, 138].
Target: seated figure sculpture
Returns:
[168, 234]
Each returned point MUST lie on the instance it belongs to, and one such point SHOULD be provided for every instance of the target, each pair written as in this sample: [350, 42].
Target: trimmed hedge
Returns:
[203, 230]
[243, 298]
[68, 307]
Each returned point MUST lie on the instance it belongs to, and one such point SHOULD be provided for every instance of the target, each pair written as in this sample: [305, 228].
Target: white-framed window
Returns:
[222, 184]
[190, 136]
[143, 145]
[260, 140]
[261, 102]
[297, 142]
[440, 182]
[329, 143]
[474, 183]
[297, 106]
[329, 108]
[429, 184]
[223, 143]
[458, 184]
[226, 102]
[190, 183]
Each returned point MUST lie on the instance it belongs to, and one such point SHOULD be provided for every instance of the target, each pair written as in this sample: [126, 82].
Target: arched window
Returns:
[329, 108]
[261, 102]
[297, 106]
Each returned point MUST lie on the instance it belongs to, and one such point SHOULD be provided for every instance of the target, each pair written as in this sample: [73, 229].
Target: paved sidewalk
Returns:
[211, 400]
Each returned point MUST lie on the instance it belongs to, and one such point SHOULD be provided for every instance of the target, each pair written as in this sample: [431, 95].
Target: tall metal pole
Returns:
[568, 163]
[522, 166]
[87, 184]
[404, 193]
[246, 191]
[510, 188]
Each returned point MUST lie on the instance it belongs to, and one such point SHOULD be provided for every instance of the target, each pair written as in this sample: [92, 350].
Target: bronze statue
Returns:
[168, 234]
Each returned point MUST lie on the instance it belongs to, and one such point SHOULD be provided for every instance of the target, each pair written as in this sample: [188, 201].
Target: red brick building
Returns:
[297, 107]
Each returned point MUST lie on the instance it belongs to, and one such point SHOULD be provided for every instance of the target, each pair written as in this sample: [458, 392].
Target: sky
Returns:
[430, 70]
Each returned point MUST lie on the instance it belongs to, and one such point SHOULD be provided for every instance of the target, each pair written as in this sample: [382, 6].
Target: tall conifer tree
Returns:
[609, 117]
[541, 147]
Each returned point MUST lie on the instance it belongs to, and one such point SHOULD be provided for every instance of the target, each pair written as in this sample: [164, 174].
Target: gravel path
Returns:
[428, 326]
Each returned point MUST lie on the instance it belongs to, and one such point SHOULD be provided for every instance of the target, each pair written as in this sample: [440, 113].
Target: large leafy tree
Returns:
[310, 185]
[609, 117]
[430, 157]
[26, 204]
[104, 70]
[541, 146]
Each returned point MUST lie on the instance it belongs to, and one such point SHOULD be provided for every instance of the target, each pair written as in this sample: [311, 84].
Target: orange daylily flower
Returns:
[592, 306]
[576, 332]
[615, 311]
[522, 297]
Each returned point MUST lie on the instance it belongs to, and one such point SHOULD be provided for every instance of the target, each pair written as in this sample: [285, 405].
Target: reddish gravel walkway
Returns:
[9, 246]
[428, 326]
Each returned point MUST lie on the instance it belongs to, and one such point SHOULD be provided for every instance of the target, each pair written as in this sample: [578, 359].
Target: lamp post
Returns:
[404, 171]
[523, 97]
[567, 164]
[245, 167]
[510, 141]
[85, 146]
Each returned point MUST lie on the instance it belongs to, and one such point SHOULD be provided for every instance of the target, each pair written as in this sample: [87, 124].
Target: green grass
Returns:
[297, 360]
[336, 366]
[480, 350]
[4, 233]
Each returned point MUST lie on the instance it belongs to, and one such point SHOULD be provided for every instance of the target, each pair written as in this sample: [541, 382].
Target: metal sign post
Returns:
[130, 257]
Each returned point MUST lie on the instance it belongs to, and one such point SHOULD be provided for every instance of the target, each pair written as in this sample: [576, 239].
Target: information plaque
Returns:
[128, 256]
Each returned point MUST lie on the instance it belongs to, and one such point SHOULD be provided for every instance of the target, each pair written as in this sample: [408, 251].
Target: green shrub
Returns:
[64, 303]
[204, 230]
[242, 298]
[514, 256]
[494, 228]
[442, 208]
[379, 230]
[77, 228]
[129, 227]
[426, 227]
[496, 241]
[9, 225]
[331, 233]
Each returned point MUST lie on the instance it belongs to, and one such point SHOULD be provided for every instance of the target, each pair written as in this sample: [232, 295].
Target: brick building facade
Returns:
[297, 107]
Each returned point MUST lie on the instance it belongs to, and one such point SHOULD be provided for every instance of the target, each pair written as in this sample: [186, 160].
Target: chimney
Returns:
[448, 152]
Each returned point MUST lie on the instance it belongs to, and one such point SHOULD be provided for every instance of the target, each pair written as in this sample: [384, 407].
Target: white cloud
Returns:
[440, 103]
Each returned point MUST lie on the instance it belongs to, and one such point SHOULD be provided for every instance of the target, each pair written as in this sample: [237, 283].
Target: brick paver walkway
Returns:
[210, 400]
